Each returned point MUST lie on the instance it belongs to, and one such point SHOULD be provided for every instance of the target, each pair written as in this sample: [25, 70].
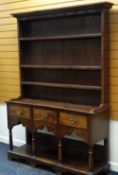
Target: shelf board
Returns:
[63, 106]
[59, 85]
[75, 166]
[86, 109]
[92, 35]
[61, 67]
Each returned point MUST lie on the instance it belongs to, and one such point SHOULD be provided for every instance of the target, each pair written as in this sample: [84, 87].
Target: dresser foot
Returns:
[10, 157]
[32, 164]
[90, 173]
[59, 173]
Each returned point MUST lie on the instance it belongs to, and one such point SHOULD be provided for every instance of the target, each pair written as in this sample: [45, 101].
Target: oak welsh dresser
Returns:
[64, 78]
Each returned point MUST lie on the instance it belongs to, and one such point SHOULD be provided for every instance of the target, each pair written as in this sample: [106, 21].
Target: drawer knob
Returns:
[43, 116]
[18, 113]
[72, 120]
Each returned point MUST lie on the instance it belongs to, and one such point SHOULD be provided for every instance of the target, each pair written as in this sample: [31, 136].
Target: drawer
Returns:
[19, 111]
[73, 120]
[45, 116]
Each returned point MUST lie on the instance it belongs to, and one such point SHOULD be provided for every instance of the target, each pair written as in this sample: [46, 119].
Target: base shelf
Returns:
[68, 165]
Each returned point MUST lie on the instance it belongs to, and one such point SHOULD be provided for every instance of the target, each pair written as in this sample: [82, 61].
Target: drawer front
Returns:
[73, 120]
[45, 116]
[19, 111]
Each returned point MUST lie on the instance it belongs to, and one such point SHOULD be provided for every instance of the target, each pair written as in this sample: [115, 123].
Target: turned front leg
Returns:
[10, 139]
[90, 154]
[33, 143]
[60, 150]
[106, 149]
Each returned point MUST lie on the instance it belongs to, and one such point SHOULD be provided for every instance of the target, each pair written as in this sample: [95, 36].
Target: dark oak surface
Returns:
[93, 6]
[64, 102]
[60, 105]
[61, 67]
[62, 37]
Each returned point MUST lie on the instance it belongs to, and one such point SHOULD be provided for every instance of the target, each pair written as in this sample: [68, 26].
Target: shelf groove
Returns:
[61, 67]
[93, 35]
[59, 85]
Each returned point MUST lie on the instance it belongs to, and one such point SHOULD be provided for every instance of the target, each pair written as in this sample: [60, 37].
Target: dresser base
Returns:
[69, 165]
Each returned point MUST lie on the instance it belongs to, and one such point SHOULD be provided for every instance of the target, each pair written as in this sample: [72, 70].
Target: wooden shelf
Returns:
[75, 166]
[93, 35]
[61, 67]
[86, 109]
[59, 85]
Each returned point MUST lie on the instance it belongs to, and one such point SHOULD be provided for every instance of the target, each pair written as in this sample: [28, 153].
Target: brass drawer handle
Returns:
[72, 120]
[43, 116]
